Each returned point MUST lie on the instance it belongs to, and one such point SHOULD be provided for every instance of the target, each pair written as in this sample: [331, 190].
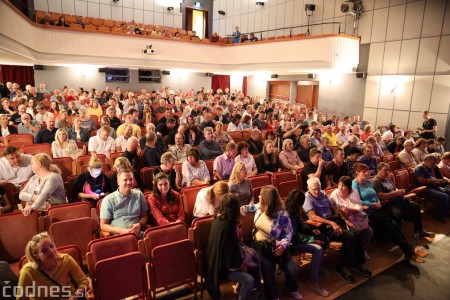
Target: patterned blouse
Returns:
[190, 172]
[281, 227]
[224, 139]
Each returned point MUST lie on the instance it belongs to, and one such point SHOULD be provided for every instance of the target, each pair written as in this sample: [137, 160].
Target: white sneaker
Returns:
[296, 295]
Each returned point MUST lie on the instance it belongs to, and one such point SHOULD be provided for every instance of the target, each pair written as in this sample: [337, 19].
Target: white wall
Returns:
[86, 77]
[276, 14]
[409, 54]
[141, 11]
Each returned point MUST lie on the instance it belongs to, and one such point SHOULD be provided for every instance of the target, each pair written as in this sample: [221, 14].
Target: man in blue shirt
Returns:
[236, 36]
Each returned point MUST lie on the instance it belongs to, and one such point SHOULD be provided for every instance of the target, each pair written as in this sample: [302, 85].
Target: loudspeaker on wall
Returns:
[361, 74]
[38, 67]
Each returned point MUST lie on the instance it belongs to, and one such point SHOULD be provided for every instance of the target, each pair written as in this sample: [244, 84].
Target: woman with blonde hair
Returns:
[95, 109]
[93, 184]
[208, 197]
[86, 121]
[272, 236]
[46, 186]
[47, 270]
[167, 165]
[268, 162]
[65, 147]
[240, 185]
[122, 163]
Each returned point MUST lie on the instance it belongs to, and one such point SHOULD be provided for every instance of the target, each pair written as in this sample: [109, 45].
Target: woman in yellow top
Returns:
[95, 109]
[49, 274]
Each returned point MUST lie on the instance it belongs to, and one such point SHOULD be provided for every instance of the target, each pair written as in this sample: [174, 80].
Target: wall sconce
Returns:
[170, 8]
[260, 3]
[221, 12]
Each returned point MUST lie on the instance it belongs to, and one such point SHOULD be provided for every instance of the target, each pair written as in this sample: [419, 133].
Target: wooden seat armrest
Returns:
[418, 190]
[410, 196]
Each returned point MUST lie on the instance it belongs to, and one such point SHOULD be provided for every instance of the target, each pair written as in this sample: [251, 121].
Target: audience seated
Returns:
[122, 141]
[131, 152]
[165, 203]
[104, 121]
[152, 154]
[180, 150]
[194, 170]
[45, 188]
[6, 129]
[77, 132]
[245, 157]
[368, 159]
[428, 174]
[102, 143]
[268, 162]
[28, 126]
[397, 145]
[304, 148]
[380, 215]
[336, 168]
[272, 245]
[65, 147]
[221, 136]
[240, 185]
[223, 164]
[122, 163]
[352, 157]
[91, 185]
[45, 262]
[124, 210]
[62, 120]
[444, 165]
[306, 239]
[46, 135]
[209, 149]
[320, 209]
[315, 168]
[419, 150]
[208, 199]
[167, 167]
[327, 155]
[86, 121]
[254, 142]
[289, 158]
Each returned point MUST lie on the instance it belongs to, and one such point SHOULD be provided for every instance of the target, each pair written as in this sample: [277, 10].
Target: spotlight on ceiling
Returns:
[170, 8]
[310, 7]
[221, 12]
[260, 3]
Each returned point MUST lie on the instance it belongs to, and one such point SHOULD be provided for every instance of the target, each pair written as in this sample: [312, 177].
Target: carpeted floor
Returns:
[428, 281]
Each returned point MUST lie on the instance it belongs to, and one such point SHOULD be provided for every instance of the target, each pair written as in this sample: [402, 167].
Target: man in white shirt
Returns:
[121, 141]
[102, 143]
[15, 167]
[342, 136]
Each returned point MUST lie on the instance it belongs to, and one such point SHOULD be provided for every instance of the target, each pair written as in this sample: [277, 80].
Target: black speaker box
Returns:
[166, 72]
[102, 70]
[361, 74]
[38, 67]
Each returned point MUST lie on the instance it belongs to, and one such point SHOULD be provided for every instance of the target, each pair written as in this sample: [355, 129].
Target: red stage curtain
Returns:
[244, 85]
[220, 82]
[22, 75]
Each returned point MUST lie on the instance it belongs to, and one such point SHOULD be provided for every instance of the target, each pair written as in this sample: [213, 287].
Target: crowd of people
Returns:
[192, 128]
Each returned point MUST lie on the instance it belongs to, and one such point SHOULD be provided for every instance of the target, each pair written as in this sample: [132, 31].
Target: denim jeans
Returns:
[442, 196]
[246, 283]
[317, 255]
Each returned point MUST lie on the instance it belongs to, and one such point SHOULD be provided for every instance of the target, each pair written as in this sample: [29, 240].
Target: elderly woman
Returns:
[347, 201]
[45, 186]
[221, 136]
[167, 167]
[208, 198]
[320, 209]
[65, 147]
[272, 236]
[268, 162]
[62, 121]
[194, 170]
[381, 217]
[86, 121]
[289, 158]
[47, 270]
[240, 185]
[165, 203]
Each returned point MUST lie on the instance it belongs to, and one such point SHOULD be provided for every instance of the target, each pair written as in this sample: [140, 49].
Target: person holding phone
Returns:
[315, 168]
